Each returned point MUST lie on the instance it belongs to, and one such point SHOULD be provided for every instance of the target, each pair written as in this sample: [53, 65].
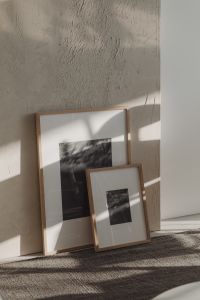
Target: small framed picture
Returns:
[68, 143]
[118, 207]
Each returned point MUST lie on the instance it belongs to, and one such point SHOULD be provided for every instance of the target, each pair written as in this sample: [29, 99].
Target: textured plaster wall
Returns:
[72, 54]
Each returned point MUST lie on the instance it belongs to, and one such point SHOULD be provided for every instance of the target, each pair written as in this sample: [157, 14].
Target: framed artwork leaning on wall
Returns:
[118, 207]
[68, 143]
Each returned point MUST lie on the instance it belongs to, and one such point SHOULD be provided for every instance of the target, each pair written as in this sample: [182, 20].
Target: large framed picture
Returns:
[68, 143]
[118, 207]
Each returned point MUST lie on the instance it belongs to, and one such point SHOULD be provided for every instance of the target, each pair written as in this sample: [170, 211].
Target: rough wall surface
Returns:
[72, 54]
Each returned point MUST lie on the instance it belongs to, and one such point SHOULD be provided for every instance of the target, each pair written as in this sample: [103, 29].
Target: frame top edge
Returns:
[127, 166]
[66, 111]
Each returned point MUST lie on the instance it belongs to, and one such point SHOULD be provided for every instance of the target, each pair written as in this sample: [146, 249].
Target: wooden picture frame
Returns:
[117, 204]
[60, 136]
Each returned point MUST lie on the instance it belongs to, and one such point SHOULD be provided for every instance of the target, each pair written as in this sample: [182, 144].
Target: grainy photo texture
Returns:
[118, 206]
[75, 157]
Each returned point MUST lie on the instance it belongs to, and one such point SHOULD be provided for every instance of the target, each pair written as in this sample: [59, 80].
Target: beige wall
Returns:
[71, 54]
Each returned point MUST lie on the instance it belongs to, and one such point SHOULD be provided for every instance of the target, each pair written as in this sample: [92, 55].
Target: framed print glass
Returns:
[68, 143]
[118, 207]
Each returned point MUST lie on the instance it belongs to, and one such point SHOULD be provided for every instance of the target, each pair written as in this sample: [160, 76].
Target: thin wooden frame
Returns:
[40, 166]
[93, 213]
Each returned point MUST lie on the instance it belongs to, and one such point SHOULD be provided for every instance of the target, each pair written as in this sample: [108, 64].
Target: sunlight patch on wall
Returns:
[151, 182]
[150, 132]
[10, 247]
[10, 160]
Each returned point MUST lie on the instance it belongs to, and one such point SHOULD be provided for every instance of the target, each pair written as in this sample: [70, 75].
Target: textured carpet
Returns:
[140, 272]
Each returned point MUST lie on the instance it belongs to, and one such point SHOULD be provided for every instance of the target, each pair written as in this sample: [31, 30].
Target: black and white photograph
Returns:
[118, 206]
[69, 142]
[75, 158]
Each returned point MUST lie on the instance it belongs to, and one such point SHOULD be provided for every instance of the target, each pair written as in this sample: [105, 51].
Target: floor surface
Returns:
[140, 272]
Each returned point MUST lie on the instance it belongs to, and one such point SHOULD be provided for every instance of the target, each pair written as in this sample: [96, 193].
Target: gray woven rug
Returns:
[139, 272]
